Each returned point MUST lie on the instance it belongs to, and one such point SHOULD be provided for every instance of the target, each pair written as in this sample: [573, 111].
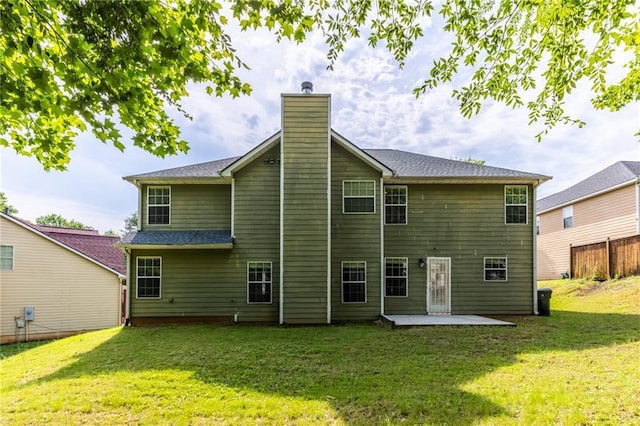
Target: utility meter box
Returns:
[19, 323]
[29, 313]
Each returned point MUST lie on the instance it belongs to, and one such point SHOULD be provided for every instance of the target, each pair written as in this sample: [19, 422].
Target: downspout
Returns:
[127, 303]
[282, 161]
[535, 253]
[329, 211]
[382, 265]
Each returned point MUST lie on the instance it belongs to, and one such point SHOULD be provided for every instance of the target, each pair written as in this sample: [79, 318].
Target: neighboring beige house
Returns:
[605, 205]
[69, 280]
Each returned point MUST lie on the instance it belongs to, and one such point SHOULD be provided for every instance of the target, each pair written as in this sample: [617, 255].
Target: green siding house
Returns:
[308, 228]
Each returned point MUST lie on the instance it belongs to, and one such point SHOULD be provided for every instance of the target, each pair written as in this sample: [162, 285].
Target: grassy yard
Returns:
[578, 366]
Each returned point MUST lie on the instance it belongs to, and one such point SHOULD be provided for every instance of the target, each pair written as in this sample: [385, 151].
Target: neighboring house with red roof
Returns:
[70, 279]
[603, 206]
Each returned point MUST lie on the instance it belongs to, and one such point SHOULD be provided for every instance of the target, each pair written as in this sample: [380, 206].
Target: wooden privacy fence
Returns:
[611, 258]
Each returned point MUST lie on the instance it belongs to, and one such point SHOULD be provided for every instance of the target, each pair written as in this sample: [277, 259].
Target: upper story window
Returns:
[395, 205]
[159, 205]
[149, 277]
[515, 204]
[259, 282]
[6, 258]
[567, 217]
[359, 196]
[354, 282]
[495, 269]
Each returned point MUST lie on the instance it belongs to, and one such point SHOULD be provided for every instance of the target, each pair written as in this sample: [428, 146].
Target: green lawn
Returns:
[578, 366]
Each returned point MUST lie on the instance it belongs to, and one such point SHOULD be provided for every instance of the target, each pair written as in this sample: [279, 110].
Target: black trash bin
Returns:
[544, 301]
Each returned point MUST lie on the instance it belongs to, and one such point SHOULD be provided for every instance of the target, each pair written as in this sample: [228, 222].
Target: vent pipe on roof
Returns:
[307, 87]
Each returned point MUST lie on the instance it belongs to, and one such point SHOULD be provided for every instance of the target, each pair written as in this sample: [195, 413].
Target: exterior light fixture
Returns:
[421, 263]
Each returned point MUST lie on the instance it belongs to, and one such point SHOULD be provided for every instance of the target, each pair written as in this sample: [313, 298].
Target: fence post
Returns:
[570, 272]
[608, 253]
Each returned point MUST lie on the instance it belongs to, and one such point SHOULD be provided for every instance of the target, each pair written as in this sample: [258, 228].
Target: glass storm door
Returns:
[439, 285]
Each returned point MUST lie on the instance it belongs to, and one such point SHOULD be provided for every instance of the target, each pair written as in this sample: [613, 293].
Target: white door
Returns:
[439, 285]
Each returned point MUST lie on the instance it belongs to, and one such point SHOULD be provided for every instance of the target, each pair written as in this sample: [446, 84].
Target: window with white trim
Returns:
[158, 205]
[395, 205]
[495, 269]
[6, 258]
[396, 276]
[149, 277]
[354, 282]
[259, 282]
[567, 217]
[515, 204]
[359, 196]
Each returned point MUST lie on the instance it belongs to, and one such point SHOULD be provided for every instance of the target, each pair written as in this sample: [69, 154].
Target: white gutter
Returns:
[586, 197]
[382, 265]
[127, 303]
[328, 211]
[282, 159]
[535, 256]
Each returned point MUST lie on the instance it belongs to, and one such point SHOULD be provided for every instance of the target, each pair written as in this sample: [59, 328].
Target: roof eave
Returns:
[210, 180]
[586, 197]
[220, 246]
[467, 180]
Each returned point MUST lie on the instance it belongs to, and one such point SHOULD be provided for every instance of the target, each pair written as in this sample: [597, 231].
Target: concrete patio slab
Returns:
[430, 320]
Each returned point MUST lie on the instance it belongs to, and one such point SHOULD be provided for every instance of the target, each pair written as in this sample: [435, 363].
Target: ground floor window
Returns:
[354, 282]
[149, 277]
[259, 282]
[396, 276]
[495, 268]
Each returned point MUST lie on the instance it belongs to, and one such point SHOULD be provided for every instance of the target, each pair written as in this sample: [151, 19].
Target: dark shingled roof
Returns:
[208, 169]
[402, 163]
[614, 175]
[175, 238]
[411, 165]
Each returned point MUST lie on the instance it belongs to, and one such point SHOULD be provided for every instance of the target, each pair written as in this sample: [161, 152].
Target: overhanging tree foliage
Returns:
[69, 66]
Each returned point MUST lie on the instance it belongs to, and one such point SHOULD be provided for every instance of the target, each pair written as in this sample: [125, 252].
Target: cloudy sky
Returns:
[372, 106]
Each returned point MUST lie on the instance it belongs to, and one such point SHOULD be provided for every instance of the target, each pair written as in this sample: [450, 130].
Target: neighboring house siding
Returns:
[466, 224]
[610, 215]
[69, 293]
[305, 139]
[354, 237]
[194, 207]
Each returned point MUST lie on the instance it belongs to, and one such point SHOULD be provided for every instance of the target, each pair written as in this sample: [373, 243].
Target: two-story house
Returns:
[603, 206]
[309, 228]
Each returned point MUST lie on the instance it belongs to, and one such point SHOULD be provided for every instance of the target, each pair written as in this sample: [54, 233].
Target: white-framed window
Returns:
[515, 204]
[148, 277]
[158, 205]
[354, 282]
[6, 258]
[396, 276]
[495, 269]
[259, 282]
[395, 205]
[567, 217]
[358, 196]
